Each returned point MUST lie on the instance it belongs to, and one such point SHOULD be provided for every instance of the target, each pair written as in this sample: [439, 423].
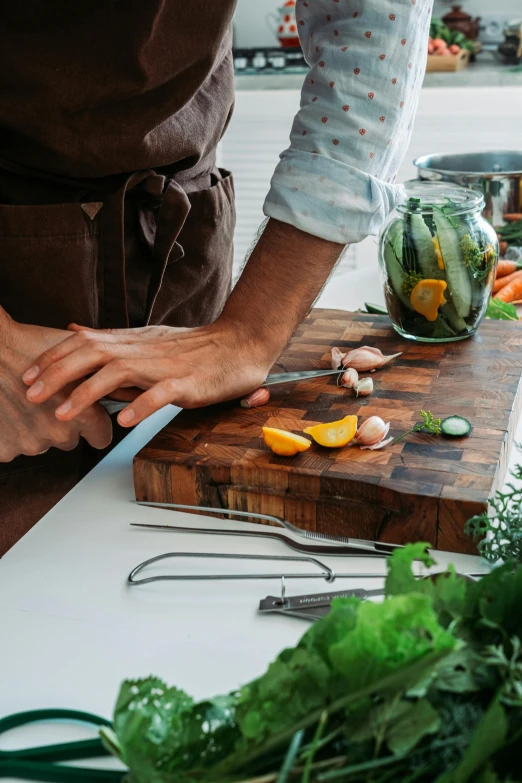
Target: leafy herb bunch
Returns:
[498, 531]
[425, 686]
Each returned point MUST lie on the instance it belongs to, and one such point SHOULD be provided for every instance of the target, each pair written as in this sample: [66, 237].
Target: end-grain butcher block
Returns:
[423, 488]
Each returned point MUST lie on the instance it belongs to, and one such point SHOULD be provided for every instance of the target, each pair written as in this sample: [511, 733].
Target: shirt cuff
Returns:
[328, 198]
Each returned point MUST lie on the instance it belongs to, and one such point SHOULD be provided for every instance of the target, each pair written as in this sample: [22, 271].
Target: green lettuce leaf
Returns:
[400, 724]
[501, 311]
[387, 636]
[401, 578]
[296, 683]
[448, 591]
[162, 733]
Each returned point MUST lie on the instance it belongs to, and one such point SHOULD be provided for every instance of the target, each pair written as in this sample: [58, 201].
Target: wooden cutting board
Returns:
[423, 488]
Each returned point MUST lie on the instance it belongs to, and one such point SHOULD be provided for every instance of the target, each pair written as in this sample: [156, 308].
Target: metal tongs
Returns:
[341, 548]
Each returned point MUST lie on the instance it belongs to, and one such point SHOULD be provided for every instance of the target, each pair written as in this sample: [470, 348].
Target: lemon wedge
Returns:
[334, 434]
[284, 443]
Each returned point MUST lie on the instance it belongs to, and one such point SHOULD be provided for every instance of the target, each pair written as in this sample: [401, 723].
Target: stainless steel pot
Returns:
[497, 175]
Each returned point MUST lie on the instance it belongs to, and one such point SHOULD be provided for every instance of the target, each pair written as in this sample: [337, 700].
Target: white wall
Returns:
[252, 29]
[475, 7]
[250, 22]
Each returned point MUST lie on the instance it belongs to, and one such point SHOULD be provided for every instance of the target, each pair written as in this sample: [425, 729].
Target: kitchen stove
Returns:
[267, 60]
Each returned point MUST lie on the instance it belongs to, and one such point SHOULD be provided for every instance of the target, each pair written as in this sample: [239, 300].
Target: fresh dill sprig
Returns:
[428, 424]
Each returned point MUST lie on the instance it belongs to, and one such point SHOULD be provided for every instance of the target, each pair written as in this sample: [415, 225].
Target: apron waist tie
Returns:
[174, 207]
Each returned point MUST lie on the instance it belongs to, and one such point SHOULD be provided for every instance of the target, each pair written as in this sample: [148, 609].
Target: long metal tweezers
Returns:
[357, 546]
[342, 550]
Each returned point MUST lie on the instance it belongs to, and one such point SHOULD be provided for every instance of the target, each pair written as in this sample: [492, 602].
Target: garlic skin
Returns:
[380, 445]
[364, 387]
[372, 432]
[336, 358]
[350, 379]
[366, 358]
[256, 398]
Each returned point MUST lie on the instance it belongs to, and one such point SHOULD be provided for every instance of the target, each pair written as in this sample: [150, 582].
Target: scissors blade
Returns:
[302, 375]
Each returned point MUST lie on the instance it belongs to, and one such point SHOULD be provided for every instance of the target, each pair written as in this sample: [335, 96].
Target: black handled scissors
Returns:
[41, 763]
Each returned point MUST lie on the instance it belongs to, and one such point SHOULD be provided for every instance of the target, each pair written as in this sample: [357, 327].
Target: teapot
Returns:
[457, 19]
[283, 24]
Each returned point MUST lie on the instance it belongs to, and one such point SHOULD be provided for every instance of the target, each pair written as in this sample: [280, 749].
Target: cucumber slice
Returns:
[392, 252]
[455, 321]
[374, 309]
[459, 284]
[455, 427]
[423, 241]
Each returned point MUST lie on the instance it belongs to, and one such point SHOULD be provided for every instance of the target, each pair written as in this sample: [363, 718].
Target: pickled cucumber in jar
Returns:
[438, 257]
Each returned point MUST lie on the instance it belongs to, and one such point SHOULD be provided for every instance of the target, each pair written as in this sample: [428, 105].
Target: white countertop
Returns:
[71, 629]
[486, 71]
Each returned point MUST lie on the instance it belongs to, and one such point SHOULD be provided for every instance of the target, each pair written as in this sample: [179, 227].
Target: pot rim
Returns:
[419, 163]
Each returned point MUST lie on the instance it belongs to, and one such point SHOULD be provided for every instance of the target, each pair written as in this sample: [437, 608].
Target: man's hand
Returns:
[25, 428]
[195, 367]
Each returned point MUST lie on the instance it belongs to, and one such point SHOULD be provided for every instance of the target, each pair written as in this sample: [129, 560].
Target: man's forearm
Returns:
[281, 280]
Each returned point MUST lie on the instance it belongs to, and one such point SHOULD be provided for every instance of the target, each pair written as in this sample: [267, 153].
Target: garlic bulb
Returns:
[372, 433]
[365, 358]
[364, 387]
[350, 378]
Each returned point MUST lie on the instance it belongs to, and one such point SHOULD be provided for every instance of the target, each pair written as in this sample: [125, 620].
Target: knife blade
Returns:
[301, 375]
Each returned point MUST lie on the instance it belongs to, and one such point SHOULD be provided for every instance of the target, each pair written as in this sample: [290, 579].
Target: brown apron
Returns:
[112, 210]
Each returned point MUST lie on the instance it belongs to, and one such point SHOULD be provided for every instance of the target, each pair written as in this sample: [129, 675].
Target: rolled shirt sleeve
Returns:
[358, 104]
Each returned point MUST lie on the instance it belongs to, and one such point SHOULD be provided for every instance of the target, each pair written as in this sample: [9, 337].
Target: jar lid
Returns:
[457, 200]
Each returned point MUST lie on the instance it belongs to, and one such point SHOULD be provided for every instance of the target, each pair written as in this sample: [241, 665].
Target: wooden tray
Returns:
[453, 62]
[423, 488]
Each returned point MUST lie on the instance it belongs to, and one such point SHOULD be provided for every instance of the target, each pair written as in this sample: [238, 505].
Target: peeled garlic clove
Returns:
[379, 445]
[366, 358]
[350, 378]
[256, 398]
[364, 387]
[372, 431]
[337, 357]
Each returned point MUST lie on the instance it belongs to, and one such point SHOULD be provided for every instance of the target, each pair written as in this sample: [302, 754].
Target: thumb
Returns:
[96, 427]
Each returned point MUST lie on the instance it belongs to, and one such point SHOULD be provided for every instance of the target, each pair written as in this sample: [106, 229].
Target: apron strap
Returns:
[174, 207]
[173, 213]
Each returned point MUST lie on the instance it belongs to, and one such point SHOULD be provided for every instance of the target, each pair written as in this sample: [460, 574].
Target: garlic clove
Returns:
[337, 357]
[366, 358]
[364, 387]
[379, 445]
[255, 398]
[372, 431]
[350, 378]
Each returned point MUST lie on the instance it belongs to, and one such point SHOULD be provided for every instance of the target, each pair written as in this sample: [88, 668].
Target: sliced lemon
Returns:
[335, 434]
[284, 443]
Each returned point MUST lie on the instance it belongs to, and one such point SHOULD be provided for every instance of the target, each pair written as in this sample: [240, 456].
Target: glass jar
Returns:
[438, 258]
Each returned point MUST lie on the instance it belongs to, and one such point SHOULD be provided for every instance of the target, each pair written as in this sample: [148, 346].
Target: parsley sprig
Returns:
[428, 424]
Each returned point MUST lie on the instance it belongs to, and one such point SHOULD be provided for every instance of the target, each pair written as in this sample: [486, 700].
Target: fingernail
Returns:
[31, 374]
[126, 416]
[64, 408]
[35, 390]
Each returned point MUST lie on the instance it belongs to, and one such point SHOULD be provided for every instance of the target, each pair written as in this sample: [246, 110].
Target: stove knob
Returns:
[240, 63]
[259, 61]
[278, 61]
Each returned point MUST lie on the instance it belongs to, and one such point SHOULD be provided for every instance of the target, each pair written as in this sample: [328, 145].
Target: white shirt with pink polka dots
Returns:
[358, 105]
